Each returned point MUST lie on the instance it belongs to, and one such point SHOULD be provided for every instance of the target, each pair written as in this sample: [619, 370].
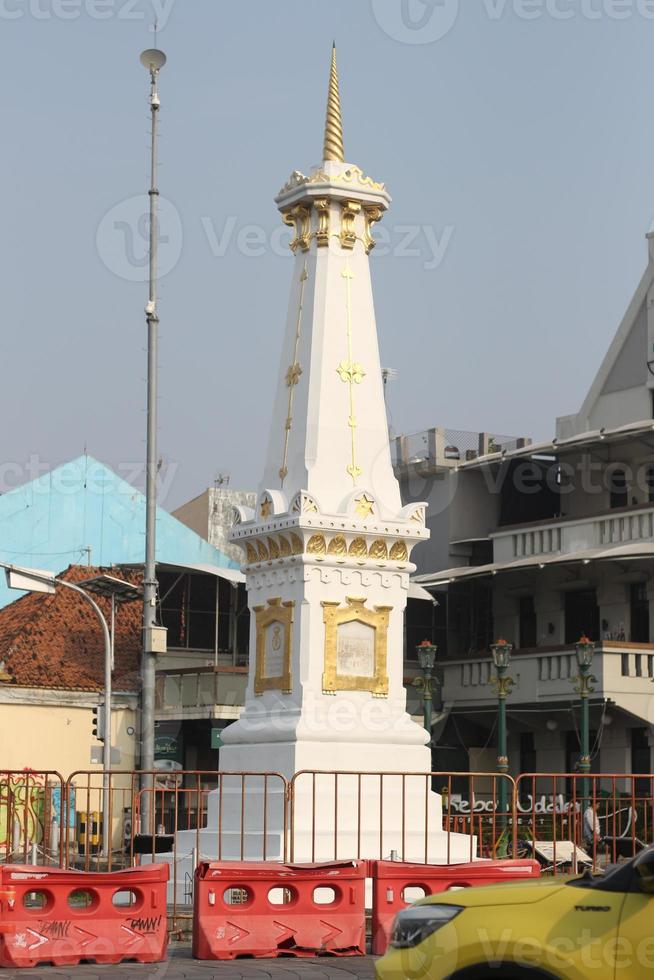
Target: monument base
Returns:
[334, 812]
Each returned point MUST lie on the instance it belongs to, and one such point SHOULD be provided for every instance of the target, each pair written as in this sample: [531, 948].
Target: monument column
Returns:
[327, 552]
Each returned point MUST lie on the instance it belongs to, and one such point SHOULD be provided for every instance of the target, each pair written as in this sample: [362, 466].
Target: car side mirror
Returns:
[644, 868]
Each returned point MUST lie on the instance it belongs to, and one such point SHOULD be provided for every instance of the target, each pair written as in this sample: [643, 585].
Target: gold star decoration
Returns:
[266, 507]
[365, 506]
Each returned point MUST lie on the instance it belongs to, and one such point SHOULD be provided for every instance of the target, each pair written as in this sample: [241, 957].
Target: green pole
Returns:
[427, 700]
[502, 751]
[502, 683]
[584, 762]
[583, 683]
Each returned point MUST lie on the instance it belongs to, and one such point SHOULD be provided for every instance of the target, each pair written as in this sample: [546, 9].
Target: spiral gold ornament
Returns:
[333, 148]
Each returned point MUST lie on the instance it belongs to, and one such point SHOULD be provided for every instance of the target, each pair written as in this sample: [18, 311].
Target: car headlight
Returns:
[413, 925]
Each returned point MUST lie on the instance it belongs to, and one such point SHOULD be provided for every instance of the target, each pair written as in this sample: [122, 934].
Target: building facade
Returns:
[540, 544]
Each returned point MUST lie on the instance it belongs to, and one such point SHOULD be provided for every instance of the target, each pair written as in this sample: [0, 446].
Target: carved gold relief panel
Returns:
[356, 647]
[274, 635]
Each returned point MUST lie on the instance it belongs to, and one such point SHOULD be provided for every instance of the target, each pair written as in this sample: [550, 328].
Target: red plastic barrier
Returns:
[49, 915]
[247, 908]
[391, 878]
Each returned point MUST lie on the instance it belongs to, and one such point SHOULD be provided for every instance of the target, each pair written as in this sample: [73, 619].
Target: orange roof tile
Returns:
[55, 641]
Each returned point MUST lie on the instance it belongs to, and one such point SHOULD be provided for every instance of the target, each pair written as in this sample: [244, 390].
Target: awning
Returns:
[232, 575]
[625, 552]
[417, 592]
[560, 445]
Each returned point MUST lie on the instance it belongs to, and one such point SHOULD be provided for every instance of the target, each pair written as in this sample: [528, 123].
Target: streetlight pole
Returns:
[27, 579]
[427, 659]
[502, 684]
[585, 650]
[153, 60]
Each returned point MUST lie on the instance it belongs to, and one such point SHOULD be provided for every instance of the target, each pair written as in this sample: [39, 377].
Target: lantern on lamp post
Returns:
[583, 683]
[502, 684]
[427, 660]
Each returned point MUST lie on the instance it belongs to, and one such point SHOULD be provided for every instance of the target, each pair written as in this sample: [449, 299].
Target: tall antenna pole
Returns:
[153, 60]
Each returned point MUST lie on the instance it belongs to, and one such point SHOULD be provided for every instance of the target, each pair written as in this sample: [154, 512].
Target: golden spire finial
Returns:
[333, 149]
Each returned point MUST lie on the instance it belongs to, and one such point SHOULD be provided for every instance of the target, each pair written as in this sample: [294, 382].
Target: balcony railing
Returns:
[213, 692]
[623, 671]
[568, 535]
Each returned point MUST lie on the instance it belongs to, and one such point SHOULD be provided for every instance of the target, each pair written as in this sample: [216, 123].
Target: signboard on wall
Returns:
[169, 742]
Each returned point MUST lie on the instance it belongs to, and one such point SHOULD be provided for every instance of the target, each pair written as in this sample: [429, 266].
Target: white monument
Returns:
[327, 555]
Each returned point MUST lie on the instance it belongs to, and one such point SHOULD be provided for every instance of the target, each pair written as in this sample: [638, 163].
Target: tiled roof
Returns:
[55, 641]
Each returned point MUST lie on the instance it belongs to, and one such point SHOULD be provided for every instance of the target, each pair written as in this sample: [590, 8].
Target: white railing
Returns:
[624, 673]
[570, 535]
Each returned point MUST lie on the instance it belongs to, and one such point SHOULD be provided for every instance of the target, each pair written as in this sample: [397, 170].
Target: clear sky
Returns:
[515, 136]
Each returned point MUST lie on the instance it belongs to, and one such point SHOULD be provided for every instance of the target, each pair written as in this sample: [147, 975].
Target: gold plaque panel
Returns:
[274, 630]
[356, 647]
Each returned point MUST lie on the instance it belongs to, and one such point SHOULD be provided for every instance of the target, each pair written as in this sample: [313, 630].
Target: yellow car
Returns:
[596, 927]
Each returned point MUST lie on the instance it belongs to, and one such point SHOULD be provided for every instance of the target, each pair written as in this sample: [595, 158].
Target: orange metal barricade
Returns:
[392, 880]
[33, 816]
[574, 820]
[265, 909]
[366, 814]
[49, 915]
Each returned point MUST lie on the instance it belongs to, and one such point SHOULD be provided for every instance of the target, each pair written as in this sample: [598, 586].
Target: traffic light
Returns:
[98, 723]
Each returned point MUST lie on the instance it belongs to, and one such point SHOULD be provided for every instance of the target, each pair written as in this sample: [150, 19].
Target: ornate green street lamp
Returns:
[585, 650]
[502, 685]
[427, 659]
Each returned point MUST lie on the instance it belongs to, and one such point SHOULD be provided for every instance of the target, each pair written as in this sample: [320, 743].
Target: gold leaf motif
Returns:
[358, 549]
[399, 552]
[378, 550]
[284, 547]
[317, 546]
[372, 213]
[263, 551]
[297, 546]
[338, 546]
[266, 507]
[353, 175]
[349, 211]
[354, 471]
[309, 506]
[351, 372]
[299, 218]
[251, 553]
[293, 375]
[321, 205]
[273, 548]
